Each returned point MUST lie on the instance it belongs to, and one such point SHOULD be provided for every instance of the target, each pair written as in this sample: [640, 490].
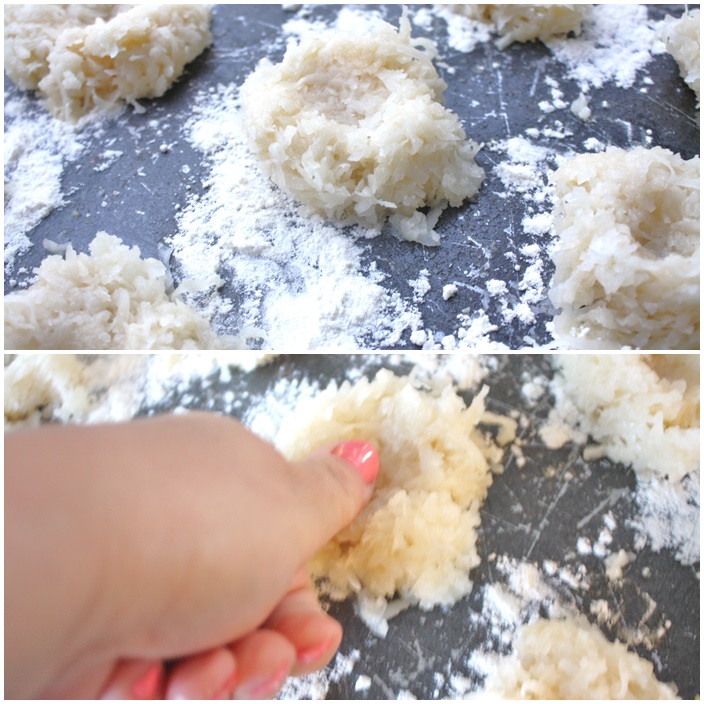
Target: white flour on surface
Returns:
[37, 148]
[669, 517]
[523, 168]
[616, 42]
[301, 282]
[316, 686]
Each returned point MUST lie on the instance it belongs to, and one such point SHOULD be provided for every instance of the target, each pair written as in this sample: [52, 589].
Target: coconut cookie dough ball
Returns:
[523, 23]
[43, 387]
[416, 539]
[682, 39]
[643, 410]
[627, 254]
[31, 31]
[110, 299]
[572, 659]
[353, 127]
[80, 65]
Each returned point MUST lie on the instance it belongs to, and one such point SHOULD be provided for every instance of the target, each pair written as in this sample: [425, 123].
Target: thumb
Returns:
[332, 486]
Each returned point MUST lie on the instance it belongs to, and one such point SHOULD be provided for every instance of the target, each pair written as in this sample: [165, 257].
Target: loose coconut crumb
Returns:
[571, 659]
[89, 58]
[643, 410]
[448, 291]
[615, 563]
[415, 542]
[523, 23]
[580, 107]
[627, 265]
[354, 128]
[108, 299]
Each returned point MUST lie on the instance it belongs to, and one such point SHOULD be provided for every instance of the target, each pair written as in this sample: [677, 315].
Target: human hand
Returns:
[165, 558]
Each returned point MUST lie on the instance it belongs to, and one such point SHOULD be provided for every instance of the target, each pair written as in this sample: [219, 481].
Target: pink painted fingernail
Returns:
[147, 686]
[264, 688]
[314, 653]
[362, 456]
[226, 690]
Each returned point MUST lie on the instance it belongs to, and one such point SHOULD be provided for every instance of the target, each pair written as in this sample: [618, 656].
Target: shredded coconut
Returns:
[522, 23]
[352, 126]
[682, 39]
[572, 660]
[644, 410]
[109, 299]
[88, 58]
[436, 471]
[627, 255]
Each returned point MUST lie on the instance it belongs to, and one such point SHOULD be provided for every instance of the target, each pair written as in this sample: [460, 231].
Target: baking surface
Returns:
[537, 514]
[498, 95]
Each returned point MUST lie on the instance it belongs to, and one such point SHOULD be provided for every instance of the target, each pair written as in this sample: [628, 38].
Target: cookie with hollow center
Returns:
[354, 128]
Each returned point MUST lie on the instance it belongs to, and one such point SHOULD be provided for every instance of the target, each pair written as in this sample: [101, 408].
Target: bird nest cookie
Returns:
[354, 128]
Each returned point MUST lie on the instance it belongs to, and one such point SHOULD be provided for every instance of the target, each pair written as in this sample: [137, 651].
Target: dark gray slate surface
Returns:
[476, 237]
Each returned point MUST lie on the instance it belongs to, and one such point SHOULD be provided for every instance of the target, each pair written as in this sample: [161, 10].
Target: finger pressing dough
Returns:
[83, 58]
[627, 251]
[354, 128]
[415, 541]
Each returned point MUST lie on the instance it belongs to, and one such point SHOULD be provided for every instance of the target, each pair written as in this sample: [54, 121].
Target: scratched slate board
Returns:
[496, 94]
[530, 515]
